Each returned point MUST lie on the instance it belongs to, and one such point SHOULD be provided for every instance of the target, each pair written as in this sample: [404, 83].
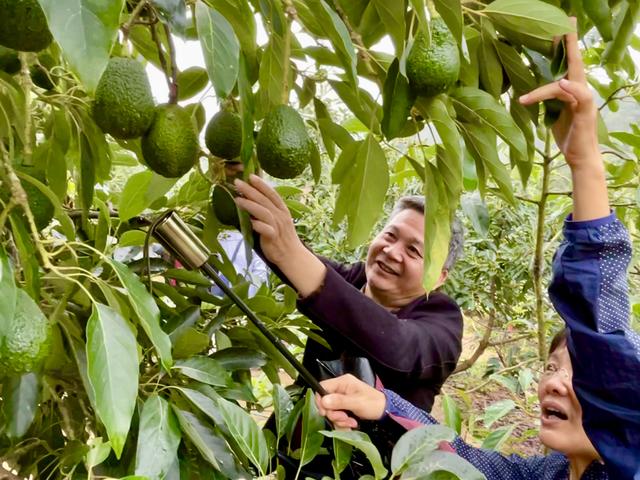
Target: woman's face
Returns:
[394, 264]
[560, 412]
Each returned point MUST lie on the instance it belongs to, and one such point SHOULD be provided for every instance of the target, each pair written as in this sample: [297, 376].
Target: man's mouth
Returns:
[385, 268]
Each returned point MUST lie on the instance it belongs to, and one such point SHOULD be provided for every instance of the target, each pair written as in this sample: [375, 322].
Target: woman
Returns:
[590, 390]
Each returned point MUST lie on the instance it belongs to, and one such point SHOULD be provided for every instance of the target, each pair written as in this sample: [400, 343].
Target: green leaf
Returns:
[28, 254]
[625, 23]
[158, 438]
[413, 446]
[312, 424]
[98, 452]
[239, 14]
[211, 446]
[204, 400]
[363, 189]
[420, 9]
[445, 466]
[191, 82]
[282, 408]
[174, 13]
[451, 13]
[397, 100]
[140, 191]
[361, 104]
[247, 110]
[452, 416]
[20, 395]
[342, 453]
[519, 74]
[273, 73]
[522, 117]
[362, 442]
[497, 438]
[239, 358]
[534, 17]
[112, 365]
[85, 30]
[476, 211]
[478, 106]
[8, 293]
[336, 31]
[103, 227]
[203, 369]
[392, 15]
[599, 13]
[496, 411]
[481, 142]
[490, 68]
[220, 48]
[246, 433]
[437, 220]
[146, 310]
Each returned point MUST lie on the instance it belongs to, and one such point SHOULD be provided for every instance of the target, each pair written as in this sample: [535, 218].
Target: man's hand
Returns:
[270, 218]
[576, 133]
[347, 393]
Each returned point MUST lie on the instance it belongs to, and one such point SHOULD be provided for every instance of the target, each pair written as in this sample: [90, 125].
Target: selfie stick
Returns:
[177, 238]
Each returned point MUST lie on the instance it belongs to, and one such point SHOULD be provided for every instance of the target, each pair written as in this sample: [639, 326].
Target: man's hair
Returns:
[456, 243]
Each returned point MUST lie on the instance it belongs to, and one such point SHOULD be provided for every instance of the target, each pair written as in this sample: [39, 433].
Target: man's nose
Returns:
[393, 251]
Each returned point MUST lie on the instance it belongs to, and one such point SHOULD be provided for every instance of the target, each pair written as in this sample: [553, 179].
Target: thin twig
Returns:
[126, 28]
[173, 86]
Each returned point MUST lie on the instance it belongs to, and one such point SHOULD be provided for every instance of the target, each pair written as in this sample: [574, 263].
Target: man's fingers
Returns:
[547, 92]
[575, 71]
[267, 190]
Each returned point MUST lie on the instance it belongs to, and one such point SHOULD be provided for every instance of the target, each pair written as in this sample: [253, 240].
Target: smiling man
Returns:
[377, 309]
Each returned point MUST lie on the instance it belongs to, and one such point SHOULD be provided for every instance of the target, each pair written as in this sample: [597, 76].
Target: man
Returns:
[376, 309]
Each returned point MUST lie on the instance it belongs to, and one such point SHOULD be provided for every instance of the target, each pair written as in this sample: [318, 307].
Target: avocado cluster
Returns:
[433, 66]
[124, 108]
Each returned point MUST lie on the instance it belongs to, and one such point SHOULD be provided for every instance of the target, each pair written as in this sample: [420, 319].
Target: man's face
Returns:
[394, 264]
[560, 412]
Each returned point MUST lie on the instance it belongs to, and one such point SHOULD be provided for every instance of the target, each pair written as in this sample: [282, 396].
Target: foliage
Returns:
[149, 373]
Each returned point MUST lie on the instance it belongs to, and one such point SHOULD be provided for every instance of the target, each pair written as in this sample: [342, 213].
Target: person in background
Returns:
[590, 390]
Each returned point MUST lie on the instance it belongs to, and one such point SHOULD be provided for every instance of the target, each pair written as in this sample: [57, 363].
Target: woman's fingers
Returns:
[578, 90]
[255, 209]
[575, 70]
[267, 190]
[547, 92]
[248, 191]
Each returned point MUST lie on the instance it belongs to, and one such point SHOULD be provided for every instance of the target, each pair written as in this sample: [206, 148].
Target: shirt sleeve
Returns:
[492, 464]
[589, 291]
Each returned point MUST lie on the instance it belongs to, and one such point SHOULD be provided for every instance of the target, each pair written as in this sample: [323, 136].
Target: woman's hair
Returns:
[559, 340]
[456, 243]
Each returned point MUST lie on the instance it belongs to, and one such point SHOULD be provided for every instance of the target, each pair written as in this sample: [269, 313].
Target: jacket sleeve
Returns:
[410, 345]
[492, 464]
[589, 290]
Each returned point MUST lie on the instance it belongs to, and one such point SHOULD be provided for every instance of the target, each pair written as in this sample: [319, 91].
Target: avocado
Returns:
[9, 61]
[123, 103]
[223, 135]
[41, 72]
[283, 146]
[223, 205]
[28, 341]
[432, 68]
[23, 26]
[170, 147]
[40, 205]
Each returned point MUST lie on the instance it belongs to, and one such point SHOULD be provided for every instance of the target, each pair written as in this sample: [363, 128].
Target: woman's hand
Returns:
[270, 218]
[576, 133]
[347, 393]
[576, 130]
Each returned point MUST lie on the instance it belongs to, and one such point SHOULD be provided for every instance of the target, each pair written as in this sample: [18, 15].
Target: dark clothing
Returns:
[589, 291]
[412, 350]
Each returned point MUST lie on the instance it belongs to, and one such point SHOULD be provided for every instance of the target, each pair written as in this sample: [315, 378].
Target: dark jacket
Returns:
[412, 350]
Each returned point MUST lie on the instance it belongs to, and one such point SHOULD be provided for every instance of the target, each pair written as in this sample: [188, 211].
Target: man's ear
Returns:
[441, 279]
